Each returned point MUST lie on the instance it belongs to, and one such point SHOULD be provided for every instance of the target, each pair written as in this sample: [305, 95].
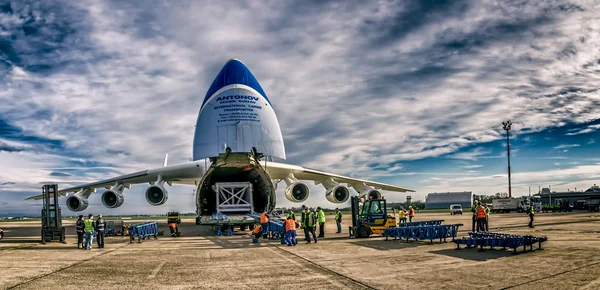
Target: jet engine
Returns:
[113, 197]
[157, 194]
[335, 192]
[79, 201]
[295, 191]
[367, 192]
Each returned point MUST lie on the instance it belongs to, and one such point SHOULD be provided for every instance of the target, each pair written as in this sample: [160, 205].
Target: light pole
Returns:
[506, 125]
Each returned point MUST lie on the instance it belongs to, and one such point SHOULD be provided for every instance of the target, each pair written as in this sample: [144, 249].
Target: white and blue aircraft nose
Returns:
[236, 113]
[234, 72]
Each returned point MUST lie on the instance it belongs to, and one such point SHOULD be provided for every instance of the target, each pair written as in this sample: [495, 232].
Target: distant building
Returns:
[443, 200]
[570, 196]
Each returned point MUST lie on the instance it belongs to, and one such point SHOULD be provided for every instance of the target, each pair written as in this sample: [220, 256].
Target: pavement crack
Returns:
[335, 273]
[66, 267]
[155, 271]
[552, 276]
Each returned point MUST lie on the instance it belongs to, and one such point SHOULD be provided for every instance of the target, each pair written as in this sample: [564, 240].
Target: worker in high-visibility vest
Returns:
[531, 212]
[402, 216]
[474, 211]
[480, 218]
[89, 227]
[321, 220]
[291, 214]
[257, 232]
[308, 225]
[338, 220]
[411, 213]
[487, 217]
[80, 226]
[290, 232]
[264, 222]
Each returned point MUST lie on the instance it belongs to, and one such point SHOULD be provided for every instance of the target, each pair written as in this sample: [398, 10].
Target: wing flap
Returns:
[281, 170]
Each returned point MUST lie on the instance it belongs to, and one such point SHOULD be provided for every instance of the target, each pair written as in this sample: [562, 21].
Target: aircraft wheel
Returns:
[363, 232]
[251, 226]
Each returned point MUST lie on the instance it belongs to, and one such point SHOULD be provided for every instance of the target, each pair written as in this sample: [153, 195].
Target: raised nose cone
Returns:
[234, 72]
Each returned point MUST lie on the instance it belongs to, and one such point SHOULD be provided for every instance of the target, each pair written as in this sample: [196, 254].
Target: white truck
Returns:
[518, 204]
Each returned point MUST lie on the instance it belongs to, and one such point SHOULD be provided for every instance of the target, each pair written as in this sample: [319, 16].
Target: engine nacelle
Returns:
[156, 194]
[77, 203]
[366, 192]
[113, 197]
[297, 192]
[334, 192]
[338, 194]
[371, 194]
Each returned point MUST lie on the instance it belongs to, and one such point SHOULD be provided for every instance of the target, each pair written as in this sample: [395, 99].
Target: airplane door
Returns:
[251, 136]
[227, 137]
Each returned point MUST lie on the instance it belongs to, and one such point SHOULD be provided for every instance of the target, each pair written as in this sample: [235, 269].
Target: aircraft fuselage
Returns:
[234, 167]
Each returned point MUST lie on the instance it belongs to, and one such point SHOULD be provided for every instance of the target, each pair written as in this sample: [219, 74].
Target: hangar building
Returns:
[443, 200]
[592, 193]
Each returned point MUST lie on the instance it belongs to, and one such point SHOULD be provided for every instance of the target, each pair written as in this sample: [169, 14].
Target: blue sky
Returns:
[411, 93]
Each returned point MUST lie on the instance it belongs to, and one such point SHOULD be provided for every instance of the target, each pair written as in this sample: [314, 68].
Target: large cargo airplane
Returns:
[237, 136]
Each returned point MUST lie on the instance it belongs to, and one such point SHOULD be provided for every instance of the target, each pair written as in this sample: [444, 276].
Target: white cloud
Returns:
[350, 84]
[564, 146]
[589, 129]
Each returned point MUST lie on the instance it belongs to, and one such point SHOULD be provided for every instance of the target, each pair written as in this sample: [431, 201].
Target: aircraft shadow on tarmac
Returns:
[28, 241]
[474, 255]
[383, 245]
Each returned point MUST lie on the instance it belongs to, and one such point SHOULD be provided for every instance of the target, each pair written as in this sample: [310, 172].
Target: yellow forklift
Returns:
[371, 219]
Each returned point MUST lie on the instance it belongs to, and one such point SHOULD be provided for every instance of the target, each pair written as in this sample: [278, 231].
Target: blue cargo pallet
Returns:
[423, 232]
[421, 223]
[143, 231]
[492, 240]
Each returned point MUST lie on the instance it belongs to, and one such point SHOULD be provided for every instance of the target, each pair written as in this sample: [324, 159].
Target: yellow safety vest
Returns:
[89, 227]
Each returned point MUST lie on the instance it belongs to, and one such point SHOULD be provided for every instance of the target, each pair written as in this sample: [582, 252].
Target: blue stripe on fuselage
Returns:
[234, 72]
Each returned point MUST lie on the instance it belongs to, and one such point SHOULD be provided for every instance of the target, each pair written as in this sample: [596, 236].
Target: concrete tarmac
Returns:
[200, 260]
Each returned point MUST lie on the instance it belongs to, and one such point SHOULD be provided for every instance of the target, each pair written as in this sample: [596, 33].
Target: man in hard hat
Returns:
[411, 213]
[290, 232]
[338, 220]
[89, 231]
[481, 219]
[308, 225]
[474, 211]
[321, 220]
[531, 213]
[80, 231]
[100, 227]
[264, 222]
[402, 215]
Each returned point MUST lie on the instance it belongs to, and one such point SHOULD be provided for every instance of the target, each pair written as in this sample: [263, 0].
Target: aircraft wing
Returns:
[184, 173]
[281, 170]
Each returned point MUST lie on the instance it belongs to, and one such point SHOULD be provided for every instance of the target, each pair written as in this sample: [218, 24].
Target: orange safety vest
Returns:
[263, 218]
[481, 213]
[412, 212]
[290, 225]
[256, 230]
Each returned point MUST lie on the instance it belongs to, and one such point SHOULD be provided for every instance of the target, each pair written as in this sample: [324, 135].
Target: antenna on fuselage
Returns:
[166, 159]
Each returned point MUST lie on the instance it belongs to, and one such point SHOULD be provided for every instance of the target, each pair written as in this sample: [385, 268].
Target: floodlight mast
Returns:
[506, 125]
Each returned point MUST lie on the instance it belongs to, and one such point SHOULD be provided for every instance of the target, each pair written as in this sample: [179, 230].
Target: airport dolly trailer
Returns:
[422, 223]
[423, 232]
[143, 231]
[492, 240]
[276, 227]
